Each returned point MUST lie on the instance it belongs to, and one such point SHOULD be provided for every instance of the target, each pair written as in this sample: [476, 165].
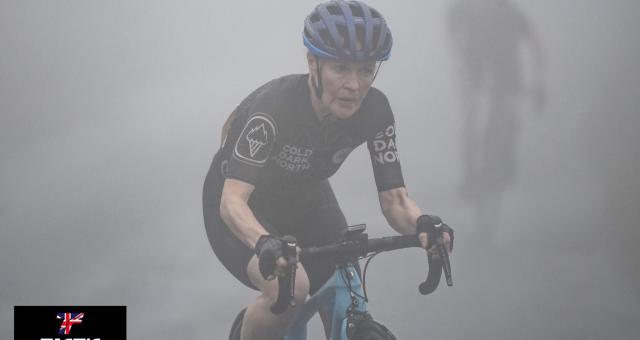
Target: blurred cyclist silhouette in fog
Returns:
[493, 41]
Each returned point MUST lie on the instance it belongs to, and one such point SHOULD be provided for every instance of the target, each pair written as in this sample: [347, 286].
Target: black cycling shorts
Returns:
[313, 217]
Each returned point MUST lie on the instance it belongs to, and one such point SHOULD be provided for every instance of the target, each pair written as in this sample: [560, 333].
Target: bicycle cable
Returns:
[364, 276]
[345, 278]
[344, 274]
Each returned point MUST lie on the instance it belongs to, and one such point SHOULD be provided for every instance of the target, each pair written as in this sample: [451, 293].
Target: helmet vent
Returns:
[334, 10]
[376, 35]
[356, 10]
[387, 41]
[342, 31]
[326, 37]
[360, 36]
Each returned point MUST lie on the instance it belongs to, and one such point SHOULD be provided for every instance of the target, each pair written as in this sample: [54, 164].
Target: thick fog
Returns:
[517, 123]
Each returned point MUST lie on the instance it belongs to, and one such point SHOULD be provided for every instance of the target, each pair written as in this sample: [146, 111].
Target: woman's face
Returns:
[344, 84]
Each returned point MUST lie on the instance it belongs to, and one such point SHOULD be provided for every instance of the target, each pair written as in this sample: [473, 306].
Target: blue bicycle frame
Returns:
[336, 295]
[342, 296]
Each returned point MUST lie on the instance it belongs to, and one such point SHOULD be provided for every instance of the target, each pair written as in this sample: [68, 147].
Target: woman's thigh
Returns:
[270, 288]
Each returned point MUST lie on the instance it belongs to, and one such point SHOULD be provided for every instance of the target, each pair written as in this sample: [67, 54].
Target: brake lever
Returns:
[437, 265]
[446, 264]
[286, 284]
[433, 276]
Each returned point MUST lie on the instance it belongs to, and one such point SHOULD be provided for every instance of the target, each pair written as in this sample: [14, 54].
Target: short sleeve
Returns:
[253, 148]
[382, 146]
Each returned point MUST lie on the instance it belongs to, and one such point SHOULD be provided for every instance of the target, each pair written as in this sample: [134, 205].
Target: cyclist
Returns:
[283, 142]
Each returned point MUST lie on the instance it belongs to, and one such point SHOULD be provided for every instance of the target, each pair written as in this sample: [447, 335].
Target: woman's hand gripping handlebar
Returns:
[438, 253]
[269, 249]
[287, 283]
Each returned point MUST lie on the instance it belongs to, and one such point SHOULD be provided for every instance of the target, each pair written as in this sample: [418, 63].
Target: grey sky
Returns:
[110, 113]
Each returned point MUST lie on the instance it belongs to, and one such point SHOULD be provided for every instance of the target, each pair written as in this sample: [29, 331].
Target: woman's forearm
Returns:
[400, 211]
[236, 213]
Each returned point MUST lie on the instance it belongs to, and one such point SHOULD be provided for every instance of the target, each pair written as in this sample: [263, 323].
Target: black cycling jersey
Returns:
[277, 142]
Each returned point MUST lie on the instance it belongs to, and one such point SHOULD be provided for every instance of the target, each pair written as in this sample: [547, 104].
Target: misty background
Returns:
[517, 123]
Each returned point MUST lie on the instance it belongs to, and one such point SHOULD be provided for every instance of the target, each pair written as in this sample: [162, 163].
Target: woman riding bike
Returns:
[283, 142]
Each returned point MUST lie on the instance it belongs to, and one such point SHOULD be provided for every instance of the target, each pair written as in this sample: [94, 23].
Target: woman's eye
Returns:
[366, 71]
[341, 68]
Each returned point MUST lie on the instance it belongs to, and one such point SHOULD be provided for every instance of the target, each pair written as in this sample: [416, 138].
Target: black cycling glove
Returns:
[429, 223]
[268, 248]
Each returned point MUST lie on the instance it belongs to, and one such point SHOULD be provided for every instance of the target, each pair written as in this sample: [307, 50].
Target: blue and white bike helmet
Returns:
[349, 30]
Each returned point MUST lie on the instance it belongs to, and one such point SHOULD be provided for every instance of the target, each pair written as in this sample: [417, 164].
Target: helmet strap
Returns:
[376, 74]
[318, 83]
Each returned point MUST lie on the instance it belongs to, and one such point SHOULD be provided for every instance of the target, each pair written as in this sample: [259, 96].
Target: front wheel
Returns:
[368, 329]
[237, 326]
[373, 331]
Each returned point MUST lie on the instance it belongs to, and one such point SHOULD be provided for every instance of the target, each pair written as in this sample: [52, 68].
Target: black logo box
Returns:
[38, 322]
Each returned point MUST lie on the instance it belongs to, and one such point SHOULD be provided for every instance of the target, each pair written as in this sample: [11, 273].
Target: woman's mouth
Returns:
[348, 100]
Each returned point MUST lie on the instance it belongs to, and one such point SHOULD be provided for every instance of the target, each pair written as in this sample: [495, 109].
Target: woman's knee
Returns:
[301, 289]
[270, 289]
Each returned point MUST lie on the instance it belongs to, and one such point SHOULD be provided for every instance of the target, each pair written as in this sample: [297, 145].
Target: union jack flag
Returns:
[68, 320]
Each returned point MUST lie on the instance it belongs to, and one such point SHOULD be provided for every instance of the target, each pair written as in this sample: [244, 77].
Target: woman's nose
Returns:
[351, 81]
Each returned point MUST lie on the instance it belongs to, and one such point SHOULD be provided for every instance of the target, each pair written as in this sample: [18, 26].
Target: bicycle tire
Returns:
[368, 329]
[234, 334]
[237, 326]
[373, 331]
